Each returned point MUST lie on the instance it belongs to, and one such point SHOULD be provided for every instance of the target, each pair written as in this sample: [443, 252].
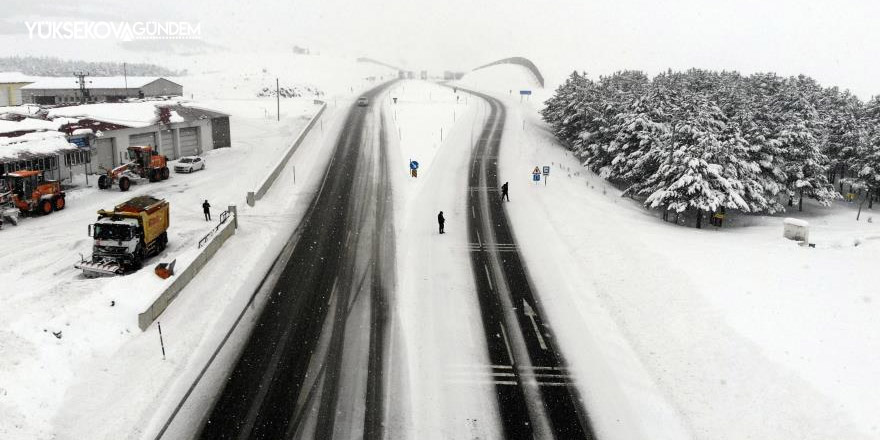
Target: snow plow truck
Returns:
[28, 192]
[145, 163]
[124, 237]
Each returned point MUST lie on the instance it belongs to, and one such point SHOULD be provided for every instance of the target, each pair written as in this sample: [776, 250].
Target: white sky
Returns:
[835, 42]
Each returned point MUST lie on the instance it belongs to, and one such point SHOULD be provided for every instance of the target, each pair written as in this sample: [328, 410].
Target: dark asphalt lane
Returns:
[300, 372]
[543, 403]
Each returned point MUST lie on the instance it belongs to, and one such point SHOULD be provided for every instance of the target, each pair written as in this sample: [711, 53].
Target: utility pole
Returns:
[278, 99]
[83, 91]
[125, 75]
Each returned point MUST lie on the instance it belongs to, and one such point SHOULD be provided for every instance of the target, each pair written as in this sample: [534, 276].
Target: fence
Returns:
[213, 241]
[223, 217]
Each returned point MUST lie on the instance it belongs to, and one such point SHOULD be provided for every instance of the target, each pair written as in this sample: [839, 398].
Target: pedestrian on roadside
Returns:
[504, 192]
[207, 208]
[441, 221]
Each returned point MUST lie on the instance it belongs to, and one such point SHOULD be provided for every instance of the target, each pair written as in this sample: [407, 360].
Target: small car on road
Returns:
[188, 164]
[363, 101]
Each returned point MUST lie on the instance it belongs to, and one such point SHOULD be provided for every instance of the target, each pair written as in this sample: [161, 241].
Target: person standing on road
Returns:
[441, 221]
[504, 192]
[207, 208]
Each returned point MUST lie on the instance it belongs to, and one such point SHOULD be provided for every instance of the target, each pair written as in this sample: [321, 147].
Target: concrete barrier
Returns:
[270, 179]
[182, 278]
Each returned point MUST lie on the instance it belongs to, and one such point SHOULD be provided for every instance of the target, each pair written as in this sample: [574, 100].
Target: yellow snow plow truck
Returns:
[125, 236]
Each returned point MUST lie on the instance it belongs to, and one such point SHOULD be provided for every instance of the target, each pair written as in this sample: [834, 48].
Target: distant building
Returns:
[65, 90]
[450, 75]
[10, 88]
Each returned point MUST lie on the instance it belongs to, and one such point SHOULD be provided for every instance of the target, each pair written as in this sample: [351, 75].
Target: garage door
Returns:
[102, 157]
[144, 139]
[166, 139]
[189, 141]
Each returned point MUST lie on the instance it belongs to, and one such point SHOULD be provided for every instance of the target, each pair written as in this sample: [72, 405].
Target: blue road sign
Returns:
[536, 177]
[525, 92]
[413, 165]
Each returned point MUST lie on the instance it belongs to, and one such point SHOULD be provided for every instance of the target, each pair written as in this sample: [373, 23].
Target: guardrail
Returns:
[223, 217]
[252, 197]
[213, 241]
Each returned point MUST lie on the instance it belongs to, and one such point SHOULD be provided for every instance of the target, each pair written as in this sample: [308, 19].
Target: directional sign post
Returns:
[536, 175]
[522, 93]
[546, 172]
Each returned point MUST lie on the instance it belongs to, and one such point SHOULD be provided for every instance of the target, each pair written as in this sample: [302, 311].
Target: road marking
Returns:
[506, 343]
[530, 312]
[473, 213]
[479, 240]
[488, 278]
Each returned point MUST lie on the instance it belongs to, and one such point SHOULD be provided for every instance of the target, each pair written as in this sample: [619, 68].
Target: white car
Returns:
[189, 164]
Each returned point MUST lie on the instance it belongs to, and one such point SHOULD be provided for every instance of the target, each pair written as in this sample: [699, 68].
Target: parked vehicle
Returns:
[30, 193]
[133, 231]
[145, 163]
[189, 164]
[363, 101]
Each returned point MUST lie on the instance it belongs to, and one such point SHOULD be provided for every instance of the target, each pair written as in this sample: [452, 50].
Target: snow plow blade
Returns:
[92, 270]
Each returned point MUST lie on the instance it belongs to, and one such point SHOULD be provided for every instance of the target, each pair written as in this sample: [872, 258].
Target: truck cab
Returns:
[117, 239]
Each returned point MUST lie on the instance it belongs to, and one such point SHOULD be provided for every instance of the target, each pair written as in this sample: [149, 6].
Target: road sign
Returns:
[536, 177]
[546, 170]
[525, 92]
[537, 171]
[413, 165]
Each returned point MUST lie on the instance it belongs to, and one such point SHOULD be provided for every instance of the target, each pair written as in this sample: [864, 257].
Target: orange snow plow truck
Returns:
[145, 163]
[31, 193]
[124, 237]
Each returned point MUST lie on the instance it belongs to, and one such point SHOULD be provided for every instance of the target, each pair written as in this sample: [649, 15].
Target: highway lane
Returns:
[536, 396]
[309, 370]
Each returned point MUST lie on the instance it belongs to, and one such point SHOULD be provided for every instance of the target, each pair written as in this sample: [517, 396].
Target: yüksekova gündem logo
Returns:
[117, 30]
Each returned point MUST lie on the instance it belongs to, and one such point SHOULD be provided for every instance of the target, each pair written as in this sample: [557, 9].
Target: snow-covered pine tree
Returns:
[702, 173]
[799, 136]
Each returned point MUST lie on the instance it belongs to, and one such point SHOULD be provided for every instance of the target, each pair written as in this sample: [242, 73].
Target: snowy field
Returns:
[102, 363]
[681, 333]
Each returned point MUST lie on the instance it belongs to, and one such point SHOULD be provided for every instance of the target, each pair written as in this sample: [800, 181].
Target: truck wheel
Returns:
[153, 175]
[59, 203]
[46, 207]
[124, 184]
[104, 182]
[165, 173]
[163, 242]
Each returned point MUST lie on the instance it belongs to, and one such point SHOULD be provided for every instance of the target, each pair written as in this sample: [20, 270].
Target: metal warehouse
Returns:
[66, 90]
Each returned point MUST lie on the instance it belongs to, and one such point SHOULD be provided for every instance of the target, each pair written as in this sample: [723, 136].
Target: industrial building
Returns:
[66, 90]
[91, 138]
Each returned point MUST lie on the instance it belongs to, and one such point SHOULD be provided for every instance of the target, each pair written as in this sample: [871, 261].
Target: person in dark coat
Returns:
[441, 221]
[207, 208]
[504, 192]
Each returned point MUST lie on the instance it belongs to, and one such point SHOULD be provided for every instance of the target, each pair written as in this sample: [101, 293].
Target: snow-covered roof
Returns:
[129, 114]
[92, 82]
[15, 78]
[26, 109]
[37, 143]
[28, 124]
